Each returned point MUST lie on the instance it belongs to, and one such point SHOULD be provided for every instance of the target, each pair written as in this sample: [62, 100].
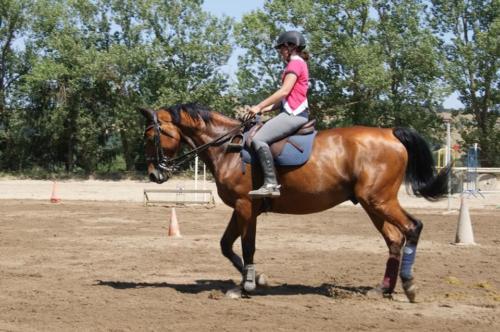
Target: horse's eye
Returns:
[148, 138]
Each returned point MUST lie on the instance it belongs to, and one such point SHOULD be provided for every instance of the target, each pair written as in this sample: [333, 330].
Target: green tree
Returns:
[259, 65]
[338, 34]
[95, 61]
[366, 65]
[64, 79]
[13, 25]
[412, 58]
[166, 53]
[470, 31]
[348, 61]
[188, 48]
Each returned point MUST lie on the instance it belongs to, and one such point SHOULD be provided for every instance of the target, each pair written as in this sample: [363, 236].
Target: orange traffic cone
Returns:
[173, 228]
[54, 198]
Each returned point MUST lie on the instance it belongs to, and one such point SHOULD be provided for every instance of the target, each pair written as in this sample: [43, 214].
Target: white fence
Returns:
[482, 179]
[178, 196]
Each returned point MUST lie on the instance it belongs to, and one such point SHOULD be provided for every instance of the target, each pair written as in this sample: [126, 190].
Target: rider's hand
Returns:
[252, 112]
[256, 109]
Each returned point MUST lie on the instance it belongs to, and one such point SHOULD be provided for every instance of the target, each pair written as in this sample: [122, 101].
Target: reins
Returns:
[171, 165]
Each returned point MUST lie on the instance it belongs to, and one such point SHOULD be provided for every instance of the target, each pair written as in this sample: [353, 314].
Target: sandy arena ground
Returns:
[109, 266]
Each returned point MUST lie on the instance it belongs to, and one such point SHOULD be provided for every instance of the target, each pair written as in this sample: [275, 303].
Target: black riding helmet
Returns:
[289, 38]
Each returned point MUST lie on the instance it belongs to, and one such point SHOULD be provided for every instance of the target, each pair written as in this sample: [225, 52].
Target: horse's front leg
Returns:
[231, 233]
[243, 223]
[249, 228]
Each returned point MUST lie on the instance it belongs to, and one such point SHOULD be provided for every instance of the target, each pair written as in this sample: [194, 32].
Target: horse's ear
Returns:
[147, 113]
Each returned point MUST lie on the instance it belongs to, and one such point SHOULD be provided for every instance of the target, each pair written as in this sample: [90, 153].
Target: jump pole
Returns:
[196, 177]
[447, 121]
[204, 180]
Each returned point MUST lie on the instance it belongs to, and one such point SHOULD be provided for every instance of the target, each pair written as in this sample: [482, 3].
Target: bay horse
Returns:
[362, 164]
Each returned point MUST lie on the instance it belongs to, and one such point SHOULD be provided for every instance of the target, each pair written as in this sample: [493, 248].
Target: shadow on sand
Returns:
[199, 286]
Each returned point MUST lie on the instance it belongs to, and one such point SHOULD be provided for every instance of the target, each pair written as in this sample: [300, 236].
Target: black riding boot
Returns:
[270, 188]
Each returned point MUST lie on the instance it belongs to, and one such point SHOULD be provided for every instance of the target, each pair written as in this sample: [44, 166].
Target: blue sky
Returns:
[237, 8]
[233, 8]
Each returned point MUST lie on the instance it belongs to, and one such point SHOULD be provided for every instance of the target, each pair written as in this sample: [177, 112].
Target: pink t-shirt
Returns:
[296, 101]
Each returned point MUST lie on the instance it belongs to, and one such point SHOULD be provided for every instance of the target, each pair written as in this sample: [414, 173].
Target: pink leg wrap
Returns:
[391, 275]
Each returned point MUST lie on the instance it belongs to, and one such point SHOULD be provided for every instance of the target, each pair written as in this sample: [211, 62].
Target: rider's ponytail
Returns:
[304, 55]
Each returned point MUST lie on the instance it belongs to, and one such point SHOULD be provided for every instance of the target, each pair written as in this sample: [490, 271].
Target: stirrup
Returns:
[236, 143]
[267, 190]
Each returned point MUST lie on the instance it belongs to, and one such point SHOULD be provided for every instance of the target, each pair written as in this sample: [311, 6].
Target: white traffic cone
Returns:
[173, 228]
[464, 236]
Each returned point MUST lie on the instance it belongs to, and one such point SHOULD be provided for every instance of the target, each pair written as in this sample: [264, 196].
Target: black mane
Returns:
[194, 110]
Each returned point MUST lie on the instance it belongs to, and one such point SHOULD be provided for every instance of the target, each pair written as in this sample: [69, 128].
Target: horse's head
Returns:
[162, 141]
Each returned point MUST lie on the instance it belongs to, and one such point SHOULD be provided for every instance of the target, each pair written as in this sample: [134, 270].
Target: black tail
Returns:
[420, 171]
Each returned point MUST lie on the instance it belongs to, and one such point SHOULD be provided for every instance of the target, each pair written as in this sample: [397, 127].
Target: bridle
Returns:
[169, 166]
[159, 159]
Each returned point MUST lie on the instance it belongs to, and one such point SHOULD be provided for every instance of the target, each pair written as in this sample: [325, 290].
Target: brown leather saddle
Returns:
[241, 140]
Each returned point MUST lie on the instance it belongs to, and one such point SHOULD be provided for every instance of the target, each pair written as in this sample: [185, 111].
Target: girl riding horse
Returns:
[291, 100]
[363, 164]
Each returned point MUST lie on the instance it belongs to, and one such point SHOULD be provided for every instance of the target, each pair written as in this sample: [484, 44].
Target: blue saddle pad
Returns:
[290, 156]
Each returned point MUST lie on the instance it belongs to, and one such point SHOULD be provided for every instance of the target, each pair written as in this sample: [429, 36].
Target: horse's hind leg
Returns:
[394, 240]
[392, 212]
[409, 252]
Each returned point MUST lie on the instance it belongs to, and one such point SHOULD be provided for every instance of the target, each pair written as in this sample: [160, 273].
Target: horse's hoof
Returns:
[379, 292]
[234, 293]
[262, 280]
[410, 290]
[249, 278]
[249, 286]
[375, 293]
